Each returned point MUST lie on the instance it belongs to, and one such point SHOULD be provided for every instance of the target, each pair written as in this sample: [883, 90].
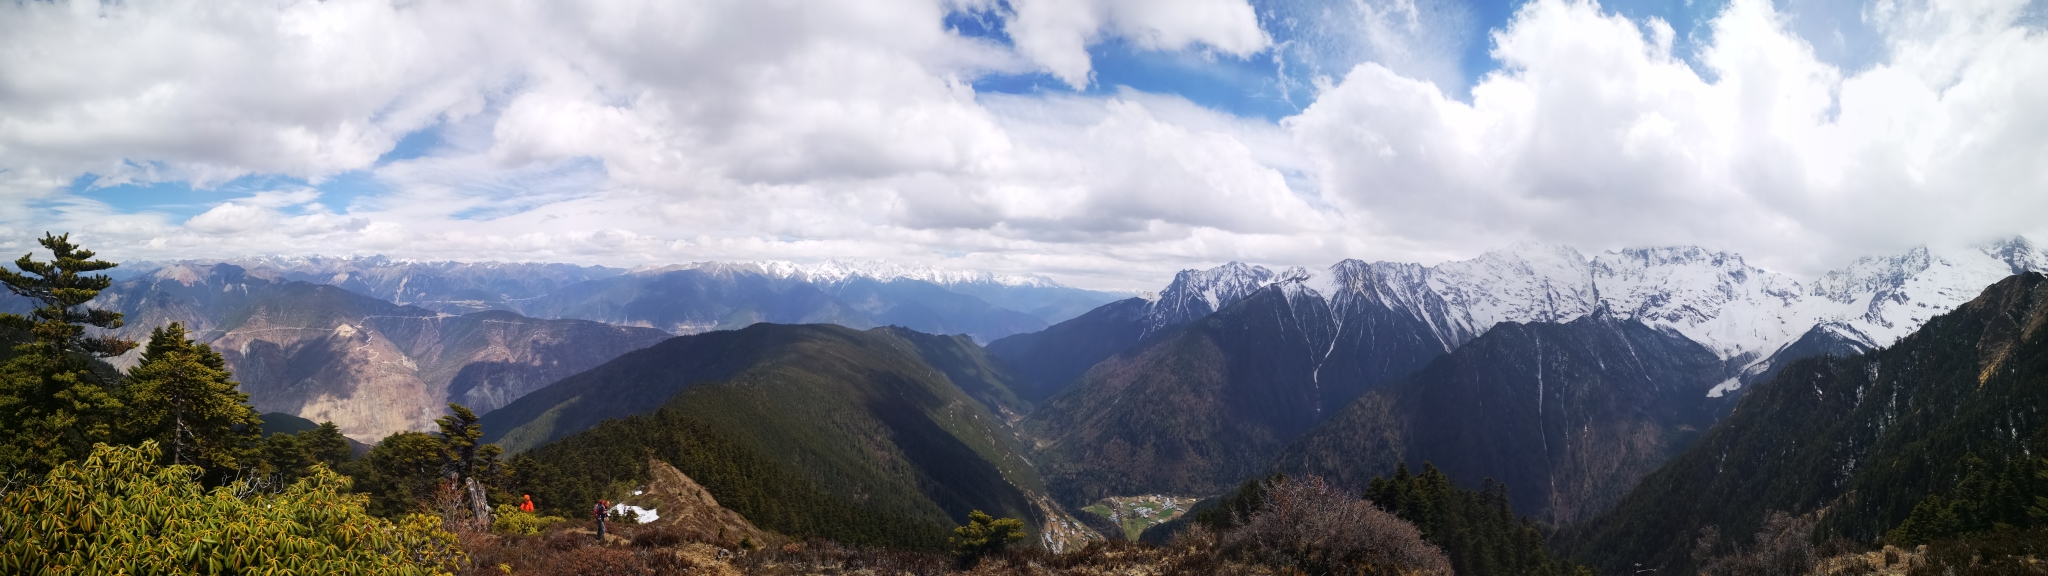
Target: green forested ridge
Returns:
[871, 418]
[281, 423]
[970, 367]
[565, 476]
[1951, 412]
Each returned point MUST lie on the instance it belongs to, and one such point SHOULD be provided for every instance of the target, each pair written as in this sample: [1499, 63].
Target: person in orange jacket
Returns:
[527, 505]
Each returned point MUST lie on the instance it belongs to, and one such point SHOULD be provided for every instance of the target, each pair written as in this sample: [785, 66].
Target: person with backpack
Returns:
[602, 510]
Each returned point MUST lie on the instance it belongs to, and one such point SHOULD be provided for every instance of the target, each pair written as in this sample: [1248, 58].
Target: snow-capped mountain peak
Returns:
[1714, 298]
[1522, 283]
[1197, 293]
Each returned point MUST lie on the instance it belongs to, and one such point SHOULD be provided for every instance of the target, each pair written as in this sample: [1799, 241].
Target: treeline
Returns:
[581, 468]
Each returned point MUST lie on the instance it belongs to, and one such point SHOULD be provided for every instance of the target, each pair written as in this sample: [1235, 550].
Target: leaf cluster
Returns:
[118, 510]
[983, 535]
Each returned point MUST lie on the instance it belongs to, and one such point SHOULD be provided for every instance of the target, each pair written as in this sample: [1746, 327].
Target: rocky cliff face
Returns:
[370, 366]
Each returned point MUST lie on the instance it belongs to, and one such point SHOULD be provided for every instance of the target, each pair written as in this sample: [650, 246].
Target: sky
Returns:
[1103, 143]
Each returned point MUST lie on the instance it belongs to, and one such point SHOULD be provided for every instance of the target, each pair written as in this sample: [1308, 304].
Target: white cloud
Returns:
[636, 131]
[1056, 33]
[1595, 134]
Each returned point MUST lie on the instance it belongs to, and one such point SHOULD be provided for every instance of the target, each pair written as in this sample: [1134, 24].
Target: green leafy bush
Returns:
[118, 510]
[509, 520]
[983, 535]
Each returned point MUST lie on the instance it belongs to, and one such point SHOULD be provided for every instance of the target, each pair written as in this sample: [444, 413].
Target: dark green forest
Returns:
[566, 475]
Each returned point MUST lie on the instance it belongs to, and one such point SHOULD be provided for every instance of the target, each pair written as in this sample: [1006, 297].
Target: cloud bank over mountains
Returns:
[625, 133]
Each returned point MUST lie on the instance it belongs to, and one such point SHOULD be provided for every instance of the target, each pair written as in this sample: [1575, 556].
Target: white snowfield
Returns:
[641, 515]
[1739, 311]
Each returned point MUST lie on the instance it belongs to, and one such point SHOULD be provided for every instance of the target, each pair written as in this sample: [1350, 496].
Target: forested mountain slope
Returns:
[1865, 438]
[1569, 416]
[870, 428]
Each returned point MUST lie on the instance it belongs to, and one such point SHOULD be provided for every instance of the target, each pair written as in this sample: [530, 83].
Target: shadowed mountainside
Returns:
[1865, 437]
[1569, 416]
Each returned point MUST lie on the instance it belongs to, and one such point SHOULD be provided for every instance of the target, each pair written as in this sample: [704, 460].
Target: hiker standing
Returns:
[527, 505]
[603, 509]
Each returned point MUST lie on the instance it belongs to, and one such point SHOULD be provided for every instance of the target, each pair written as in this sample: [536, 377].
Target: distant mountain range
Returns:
[1742, 313]
[1196, 389]
[692, 298]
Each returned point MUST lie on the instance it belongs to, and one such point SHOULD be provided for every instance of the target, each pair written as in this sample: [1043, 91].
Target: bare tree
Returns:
[1307, 523]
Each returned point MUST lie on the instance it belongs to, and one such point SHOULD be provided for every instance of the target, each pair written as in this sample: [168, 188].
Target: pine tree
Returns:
[325, 445]
[461, 439]
[290, 457]
[54, 403]
[183, 397]
[400, 473]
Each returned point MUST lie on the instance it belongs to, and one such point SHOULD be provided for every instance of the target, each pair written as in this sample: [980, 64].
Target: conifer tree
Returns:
[183, 397]
[400, 473]
[461, 442]
[326, 445]
[53, 403]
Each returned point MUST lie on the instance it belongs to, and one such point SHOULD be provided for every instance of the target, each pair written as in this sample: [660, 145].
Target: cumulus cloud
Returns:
[1056, 33]
[1594, 133]
[637, 131]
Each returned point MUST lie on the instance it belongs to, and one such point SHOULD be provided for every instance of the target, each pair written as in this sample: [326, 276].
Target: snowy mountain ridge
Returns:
[831, 272]
[1741, 312]
[1197, 293]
